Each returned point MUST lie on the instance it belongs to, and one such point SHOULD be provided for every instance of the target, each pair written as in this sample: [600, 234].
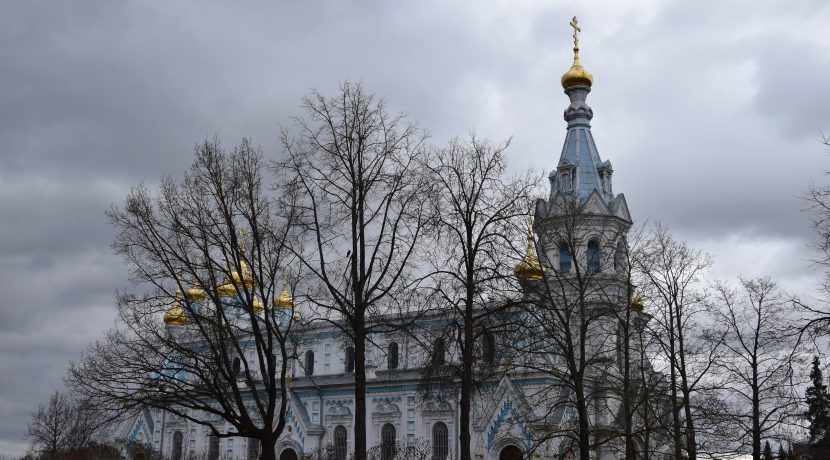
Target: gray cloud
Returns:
[709, 111]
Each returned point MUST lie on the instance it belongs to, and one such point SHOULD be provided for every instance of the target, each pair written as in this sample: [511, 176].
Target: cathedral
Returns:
[508, 414]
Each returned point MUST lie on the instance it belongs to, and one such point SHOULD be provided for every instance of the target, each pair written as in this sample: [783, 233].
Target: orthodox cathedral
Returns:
[507, 415]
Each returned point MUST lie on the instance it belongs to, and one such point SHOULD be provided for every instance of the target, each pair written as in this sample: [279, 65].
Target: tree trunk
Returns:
[268, 444]
[467, 378]
[359, 390]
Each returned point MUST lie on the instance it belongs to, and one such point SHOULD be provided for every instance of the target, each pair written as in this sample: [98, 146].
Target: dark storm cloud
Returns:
[709, 112]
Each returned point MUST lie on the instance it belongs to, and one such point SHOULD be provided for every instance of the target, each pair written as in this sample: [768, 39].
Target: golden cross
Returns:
[575, 25]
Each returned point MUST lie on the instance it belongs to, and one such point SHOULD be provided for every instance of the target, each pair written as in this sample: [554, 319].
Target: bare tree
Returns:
[758, 364]
[477, 214]
[361, 215]
[570, 312]
[668, 274]
[222, 356]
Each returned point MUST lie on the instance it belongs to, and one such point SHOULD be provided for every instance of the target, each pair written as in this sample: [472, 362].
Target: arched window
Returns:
[438, 355]
[392, 356]
[349, 359]
[440, 441]
[488, 347]
[341, 446]
[253, 449]
[213, 448]
[510, 453]
[564, 259]
[387, 442]
[593, 256]
[178, 440]
[235, 368]
[309, 363]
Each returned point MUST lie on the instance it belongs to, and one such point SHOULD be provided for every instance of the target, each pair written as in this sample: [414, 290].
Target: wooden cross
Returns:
[575, 25]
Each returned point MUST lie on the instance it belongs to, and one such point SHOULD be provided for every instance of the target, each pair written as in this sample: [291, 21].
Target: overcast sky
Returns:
[710, 112]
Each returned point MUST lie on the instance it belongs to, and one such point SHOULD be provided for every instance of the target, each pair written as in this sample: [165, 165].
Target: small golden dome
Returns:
[637, 303]
[231, 283]
[284, 300]
[175, 315]
[576, 75]
[257, 303]
[195, 292]
[529, 268]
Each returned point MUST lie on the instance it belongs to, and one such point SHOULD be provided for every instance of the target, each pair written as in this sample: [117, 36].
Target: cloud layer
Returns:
[709, 111]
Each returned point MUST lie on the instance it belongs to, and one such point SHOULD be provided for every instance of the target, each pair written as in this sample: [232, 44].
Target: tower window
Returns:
[309, 363]
[349, 359]
[392, 355]
[488, 347]
[564, 259]
[593, 256]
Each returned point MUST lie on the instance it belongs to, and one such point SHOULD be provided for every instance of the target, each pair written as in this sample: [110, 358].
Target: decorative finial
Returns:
[576, 76]
[243, 238]
[575, 25]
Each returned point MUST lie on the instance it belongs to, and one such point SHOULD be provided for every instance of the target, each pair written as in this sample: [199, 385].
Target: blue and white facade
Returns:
[508, 413]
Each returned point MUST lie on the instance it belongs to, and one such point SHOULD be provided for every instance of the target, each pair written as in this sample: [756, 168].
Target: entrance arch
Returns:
[288, 454]
[510, 452]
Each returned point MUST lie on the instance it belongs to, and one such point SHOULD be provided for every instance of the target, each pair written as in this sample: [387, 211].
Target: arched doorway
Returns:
[510, 453]
[288, 454]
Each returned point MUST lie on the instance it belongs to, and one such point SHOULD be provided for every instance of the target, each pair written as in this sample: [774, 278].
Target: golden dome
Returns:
[637, 303]
[231, 283]
[175, 315]
[284, 300]
[529, 268]
[195, 292]
[257, 303]
[576, 75]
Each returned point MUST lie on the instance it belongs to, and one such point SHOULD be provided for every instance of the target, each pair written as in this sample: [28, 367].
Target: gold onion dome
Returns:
[236, 280]
[195, 292]
[529, 268]
[637, 303]
[257, 304]
[284, 300]
[175, 315]
[576, 75]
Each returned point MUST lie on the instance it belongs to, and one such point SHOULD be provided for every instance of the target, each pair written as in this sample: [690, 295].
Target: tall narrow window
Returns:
[564, 259]
[341, 446]
[235, 367]
[488, 347]
[440, 441]
[213, 448]
[349, 359]
[387, 442]
[178, 440]
[309, 363]
[439, 353]
[593, 256]
[392, 355]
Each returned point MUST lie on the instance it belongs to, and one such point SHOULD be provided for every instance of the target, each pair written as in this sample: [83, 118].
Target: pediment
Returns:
[621, 209]
[595, 204]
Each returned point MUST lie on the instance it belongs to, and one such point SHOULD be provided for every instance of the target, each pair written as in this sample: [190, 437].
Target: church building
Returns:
[511, 414]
